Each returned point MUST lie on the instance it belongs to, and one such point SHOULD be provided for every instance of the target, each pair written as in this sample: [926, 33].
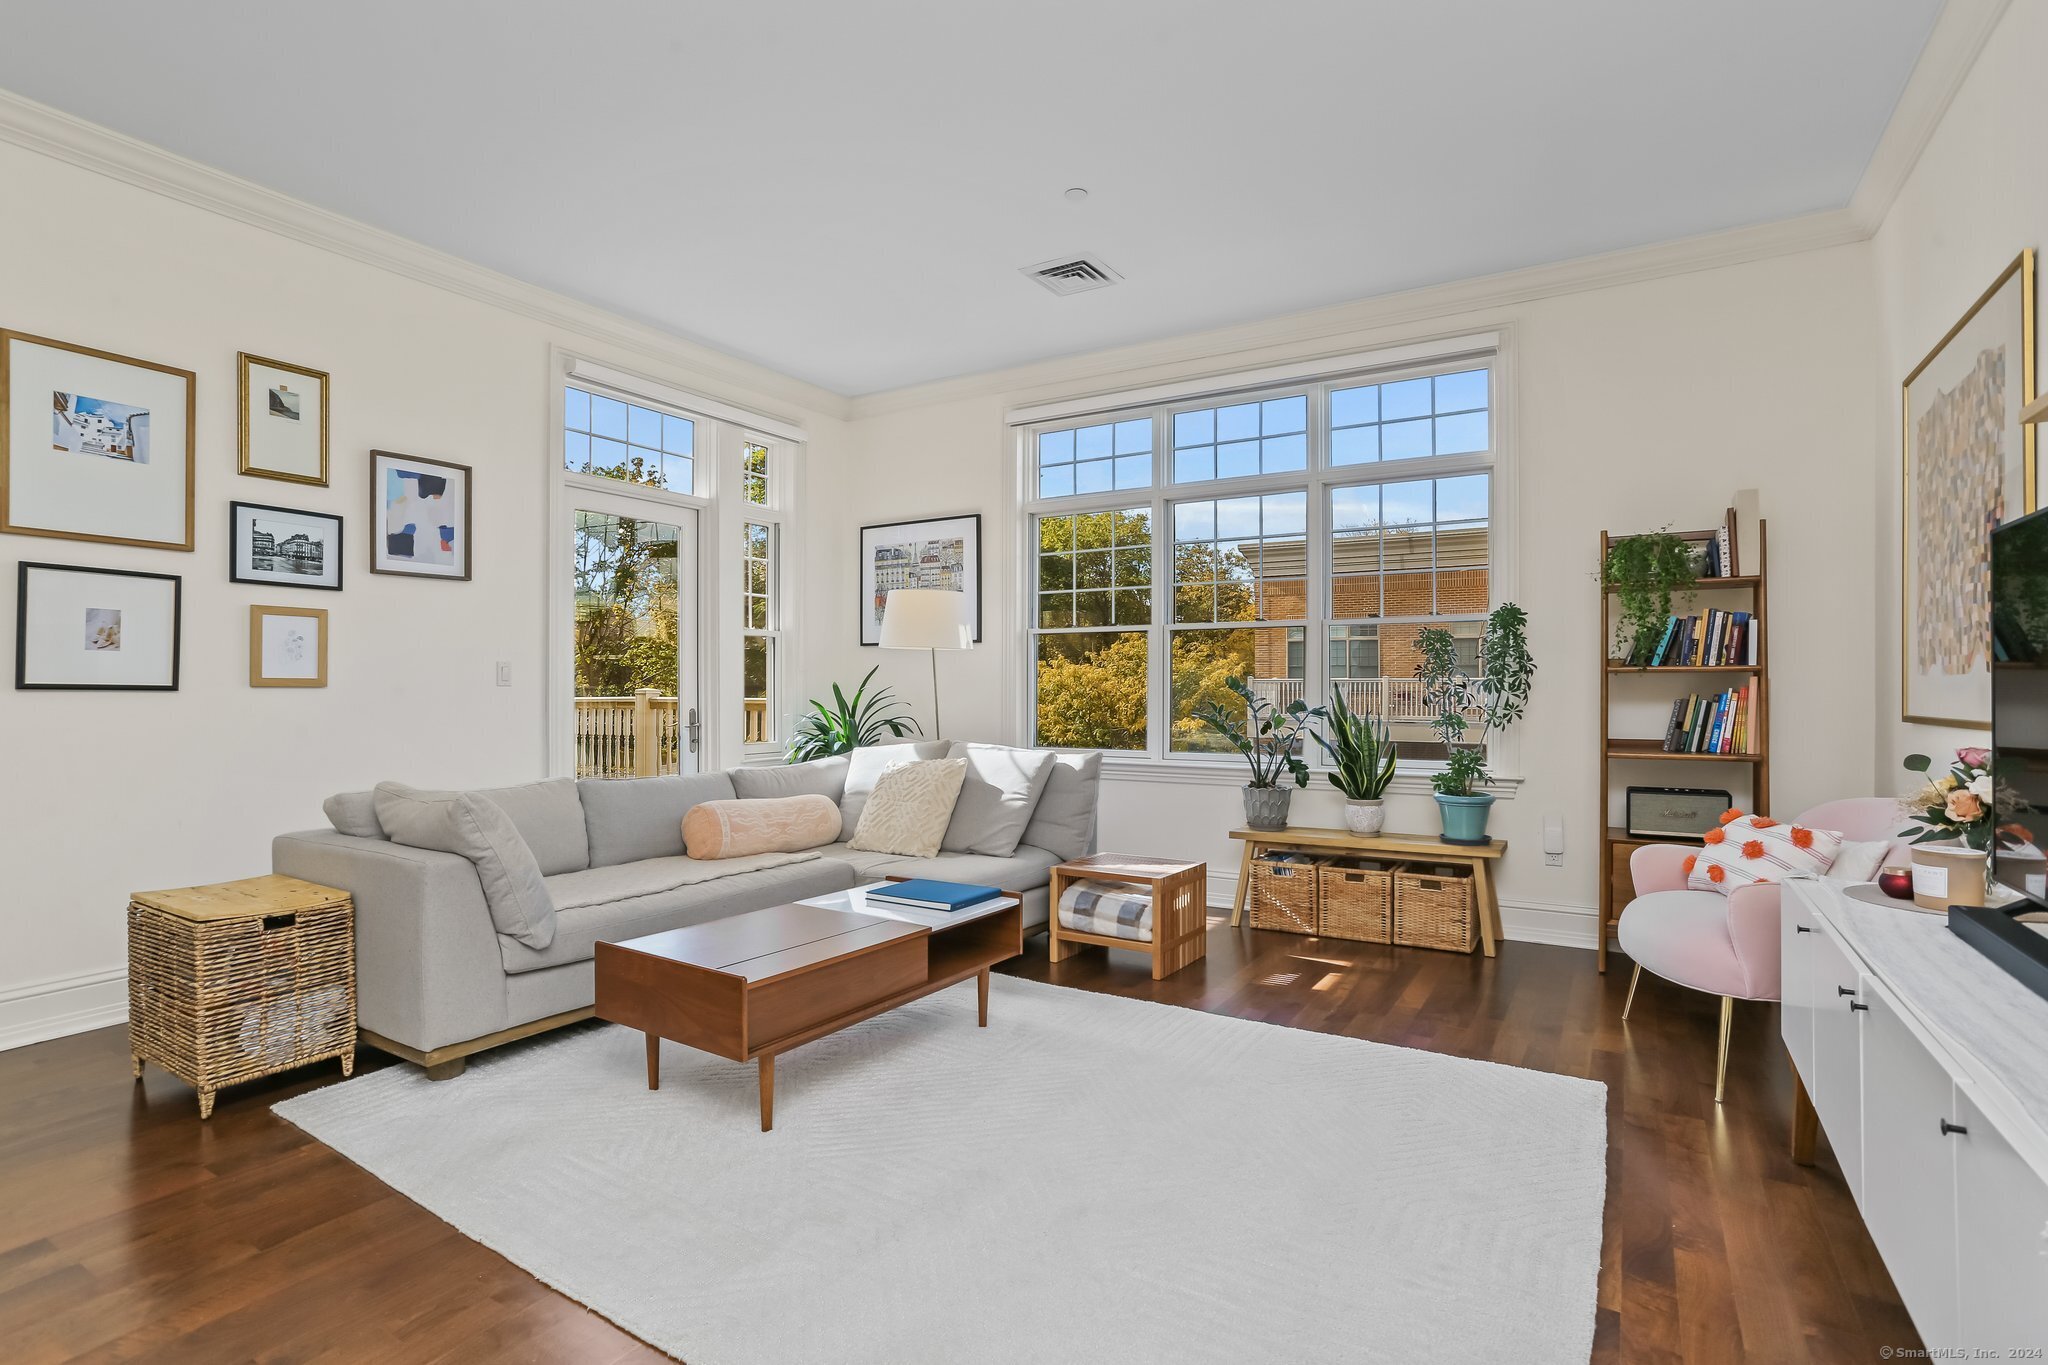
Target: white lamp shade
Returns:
[926, 618]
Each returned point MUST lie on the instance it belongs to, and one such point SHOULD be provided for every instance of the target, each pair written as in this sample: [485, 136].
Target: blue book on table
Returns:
[930, 895]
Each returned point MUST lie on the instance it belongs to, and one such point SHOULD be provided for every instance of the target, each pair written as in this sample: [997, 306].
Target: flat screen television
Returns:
[2019, 750]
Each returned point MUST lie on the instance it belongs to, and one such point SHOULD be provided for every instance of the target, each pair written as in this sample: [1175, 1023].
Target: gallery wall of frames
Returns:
[100, 447]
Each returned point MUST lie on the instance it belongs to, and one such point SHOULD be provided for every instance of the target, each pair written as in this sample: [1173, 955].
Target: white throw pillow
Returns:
[1002, 788]
[1858, 861]
[910, 808]
[1747, 849]
[865, 766]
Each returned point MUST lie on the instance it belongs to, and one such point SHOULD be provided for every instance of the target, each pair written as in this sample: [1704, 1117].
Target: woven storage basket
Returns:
[1283, 893]
[1433, 908]
[231, 982]
[1354, 899]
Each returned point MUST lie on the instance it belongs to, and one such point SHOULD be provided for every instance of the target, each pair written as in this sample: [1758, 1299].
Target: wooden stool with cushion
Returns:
[1173, 926]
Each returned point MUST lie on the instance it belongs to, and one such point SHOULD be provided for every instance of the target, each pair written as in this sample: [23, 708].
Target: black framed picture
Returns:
[420, 515]
[283, 546]
[83, 630]
[935, 552]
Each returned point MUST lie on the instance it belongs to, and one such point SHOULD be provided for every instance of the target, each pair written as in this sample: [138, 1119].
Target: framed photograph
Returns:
[94, 446]
[419, 516]
[287, 647]
[79, 629]
[284, 546]
[943, 552]
[284, 421]
[1967, 464]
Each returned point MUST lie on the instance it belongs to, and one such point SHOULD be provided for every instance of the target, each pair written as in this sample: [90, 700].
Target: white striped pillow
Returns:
[1747, 849]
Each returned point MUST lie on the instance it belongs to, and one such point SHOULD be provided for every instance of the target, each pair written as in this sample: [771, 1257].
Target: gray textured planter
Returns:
[1266, 807]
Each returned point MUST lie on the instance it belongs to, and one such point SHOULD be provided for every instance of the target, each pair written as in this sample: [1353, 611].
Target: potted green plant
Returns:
[1362, 753]
[1642, 572]
[1268, 735]
[849, 723]
[1457, 700]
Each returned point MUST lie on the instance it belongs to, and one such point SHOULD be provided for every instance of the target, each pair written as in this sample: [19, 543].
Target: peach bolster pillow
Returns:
[781, 824]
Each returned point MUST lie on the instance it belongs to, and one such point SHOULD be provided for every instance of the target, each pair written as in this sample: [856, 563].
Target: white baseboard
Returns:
[1559, 923]
[37, 1011]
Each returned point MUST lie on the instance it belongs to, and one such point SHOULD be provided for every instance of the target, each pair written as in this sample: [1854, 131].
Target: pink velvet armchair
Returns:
[1724, 944]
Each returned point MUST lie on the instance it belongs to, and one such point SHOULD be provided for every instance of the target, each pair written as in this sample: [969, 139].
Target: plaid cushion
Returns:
[1115, 909]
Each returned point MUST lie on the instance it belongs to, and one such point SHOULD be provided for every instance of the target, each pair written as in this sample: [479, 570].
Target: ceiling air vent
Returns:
[1073, 274]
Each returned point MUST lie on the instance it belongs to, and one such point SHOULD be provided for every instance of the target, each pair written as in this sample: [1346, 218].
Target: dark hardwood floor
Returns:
[129, 1230]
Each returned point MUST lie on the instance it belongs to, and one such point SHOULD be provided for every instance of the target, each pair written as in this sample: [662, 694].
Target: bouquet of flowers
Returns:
[1967, 803]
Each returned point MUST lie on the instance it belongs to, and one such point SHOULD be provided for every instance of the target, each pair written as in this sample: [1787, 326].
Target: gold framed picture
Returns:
[287, 646]
[1966, 464]
[283, 420]
[93, 445]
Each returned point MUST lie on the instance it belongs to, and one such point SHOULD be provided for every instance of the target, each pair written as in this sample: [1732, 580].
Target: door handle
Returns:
[1843, 990]
[1802, 929]
[1956, 1128]
[1858, 1005]
[693, 728]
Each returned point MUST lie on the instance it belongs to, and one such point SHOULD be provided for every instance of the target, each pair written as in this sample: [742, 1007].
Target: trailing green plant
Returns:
[849, 723]
[1267, 734]
[1497, 696]
[1361, 749]
[1642, 572]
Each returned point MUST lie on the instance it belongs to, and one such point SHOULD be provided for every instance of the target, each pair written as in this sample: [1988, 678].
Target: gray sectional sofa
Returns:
[437, 980]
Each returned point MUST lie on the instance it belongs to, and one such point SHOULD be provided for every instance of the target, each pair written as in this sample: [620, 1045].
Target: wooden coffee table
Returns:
[756, 985]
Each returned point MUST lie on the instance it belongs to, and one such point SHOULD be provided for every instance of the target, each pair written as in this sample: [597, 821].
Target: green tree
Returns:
[625, 598]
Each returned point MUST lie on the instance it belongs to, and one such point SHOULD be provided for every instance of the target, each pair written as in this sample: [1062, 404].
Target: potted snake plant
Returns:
[1362, 753]
[1268, 735]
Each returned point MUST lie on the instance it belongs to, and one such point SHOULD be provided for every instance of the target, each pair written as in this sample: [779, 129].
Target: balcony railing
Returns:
[1398, 701]
[642, 735]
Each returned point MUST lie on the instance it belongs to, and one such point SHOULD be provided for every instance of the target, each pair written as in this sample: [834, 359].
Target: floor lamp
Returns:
[927, 618]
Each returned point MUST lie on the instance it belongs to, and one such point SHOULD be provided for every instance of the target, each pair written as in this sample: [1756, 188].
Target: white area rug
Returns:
[1087, 1179]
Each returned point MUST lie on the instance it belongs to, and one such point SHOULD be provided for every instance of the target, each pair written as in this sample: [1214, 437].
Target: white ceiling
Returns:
[845, 191]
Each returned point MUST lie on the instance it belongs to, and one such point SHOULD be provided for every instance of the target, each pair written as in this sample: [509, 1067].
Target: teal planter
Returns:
[1465, 819]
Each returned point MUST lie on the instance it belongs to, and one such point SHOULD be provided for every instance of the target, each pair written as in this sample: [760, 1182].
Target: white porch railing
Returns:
[641, 735]
[1397, 701]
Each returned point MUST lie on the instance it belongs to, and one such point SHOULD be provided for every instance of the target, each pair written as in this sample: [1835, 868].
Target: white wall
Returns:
[1974, 200]
[105, 793]
[1634, 407]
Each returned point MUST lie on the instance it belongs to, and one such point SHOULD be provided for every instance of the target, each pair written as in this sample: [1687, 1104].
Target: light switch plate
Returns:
[504, 674]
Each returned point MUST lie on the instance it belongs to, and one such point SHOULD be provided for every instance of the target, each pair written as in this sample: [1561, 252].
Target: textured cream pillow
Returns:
[776, 824]
[911, 806]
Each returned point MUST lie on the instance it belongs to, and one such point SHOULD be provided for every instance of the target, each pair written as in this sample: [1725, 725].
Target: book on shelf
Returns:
[1714, 723]
[1715, 639]
[923, 894]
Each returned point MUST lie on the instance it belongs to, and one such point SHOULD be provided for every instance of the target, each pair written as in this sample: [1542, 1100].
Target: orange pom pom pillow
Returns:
[1747, 849]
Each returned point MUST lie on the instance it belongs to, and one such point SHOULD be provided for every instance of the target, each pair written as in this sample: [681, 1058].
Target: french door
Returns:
[634, 604]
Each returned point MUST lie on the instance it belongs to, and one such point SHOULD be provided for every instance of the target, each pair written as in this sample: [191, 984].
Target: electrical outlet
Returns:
[504, 674]
[1553, 860]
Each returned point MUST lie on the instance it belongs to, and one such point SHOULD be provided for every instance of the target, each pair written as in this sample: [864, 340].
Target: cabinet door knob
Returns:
[1948, 1128]
[1858, 1005]
[1843, 990]
[1802, 929]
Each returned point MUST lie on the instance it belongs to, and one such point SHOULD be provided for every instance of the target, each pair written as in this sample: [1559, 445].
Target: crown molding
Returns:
[62, 137]
[1117, 367]
[1960, 33]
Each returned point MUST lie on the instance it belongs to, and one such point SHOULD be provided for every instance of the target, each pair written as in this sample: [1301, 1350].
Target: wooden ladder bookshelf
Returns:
[1616, 843]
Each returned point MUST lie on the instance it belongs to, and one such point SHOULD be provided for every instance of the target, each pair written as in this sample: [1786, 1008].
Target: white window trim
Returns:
[1495, 349]
[718, 499]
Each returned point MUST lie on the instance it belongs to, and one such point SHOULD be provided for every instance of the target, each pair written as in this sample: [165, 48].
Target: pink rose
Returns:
[1963, 807]
[1974, 758]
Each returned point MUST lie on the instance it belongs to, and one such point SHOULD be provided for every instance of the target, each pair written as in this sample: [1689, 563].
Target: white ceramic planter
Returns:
[1365, 817]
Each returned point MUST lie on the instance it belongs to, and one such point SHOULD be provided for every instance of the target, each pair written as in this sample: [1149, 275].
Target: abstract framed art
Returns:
[1967, 463]
[284, 546]
[283, 421]
[287, 647]
[96, 630]
[419, 516]
[939, 552]
[93, 445]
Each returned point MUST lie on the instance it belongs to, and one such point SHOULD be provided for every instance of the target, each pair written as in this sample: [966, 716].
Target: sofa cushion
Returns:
[820, 777]
[1064, 819]
[911, 806]
[630, 899]
[630, 818]
[864, 768]
[781, 824]
[549, 816]
[354, 813]
[476, 828]
[1002, 788]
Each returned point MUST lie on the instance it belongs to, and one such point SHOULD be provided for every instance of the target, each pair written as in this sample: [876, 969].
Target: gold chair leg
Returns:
[1721, 1066]
[1628, 1004]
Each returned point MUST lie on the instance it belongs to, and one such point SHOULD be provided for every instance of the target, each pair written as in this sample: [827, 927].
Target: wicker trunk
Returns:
[238, 980]
[1433, 908]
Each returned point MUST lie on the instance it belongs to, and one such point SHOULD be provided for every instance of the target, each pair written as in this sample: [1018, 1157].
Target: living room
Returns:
[1122, 384]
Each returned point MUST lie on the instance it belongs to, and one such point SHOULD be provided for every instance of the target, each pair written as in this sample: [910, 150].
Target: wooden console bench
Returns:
[1393, 848]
